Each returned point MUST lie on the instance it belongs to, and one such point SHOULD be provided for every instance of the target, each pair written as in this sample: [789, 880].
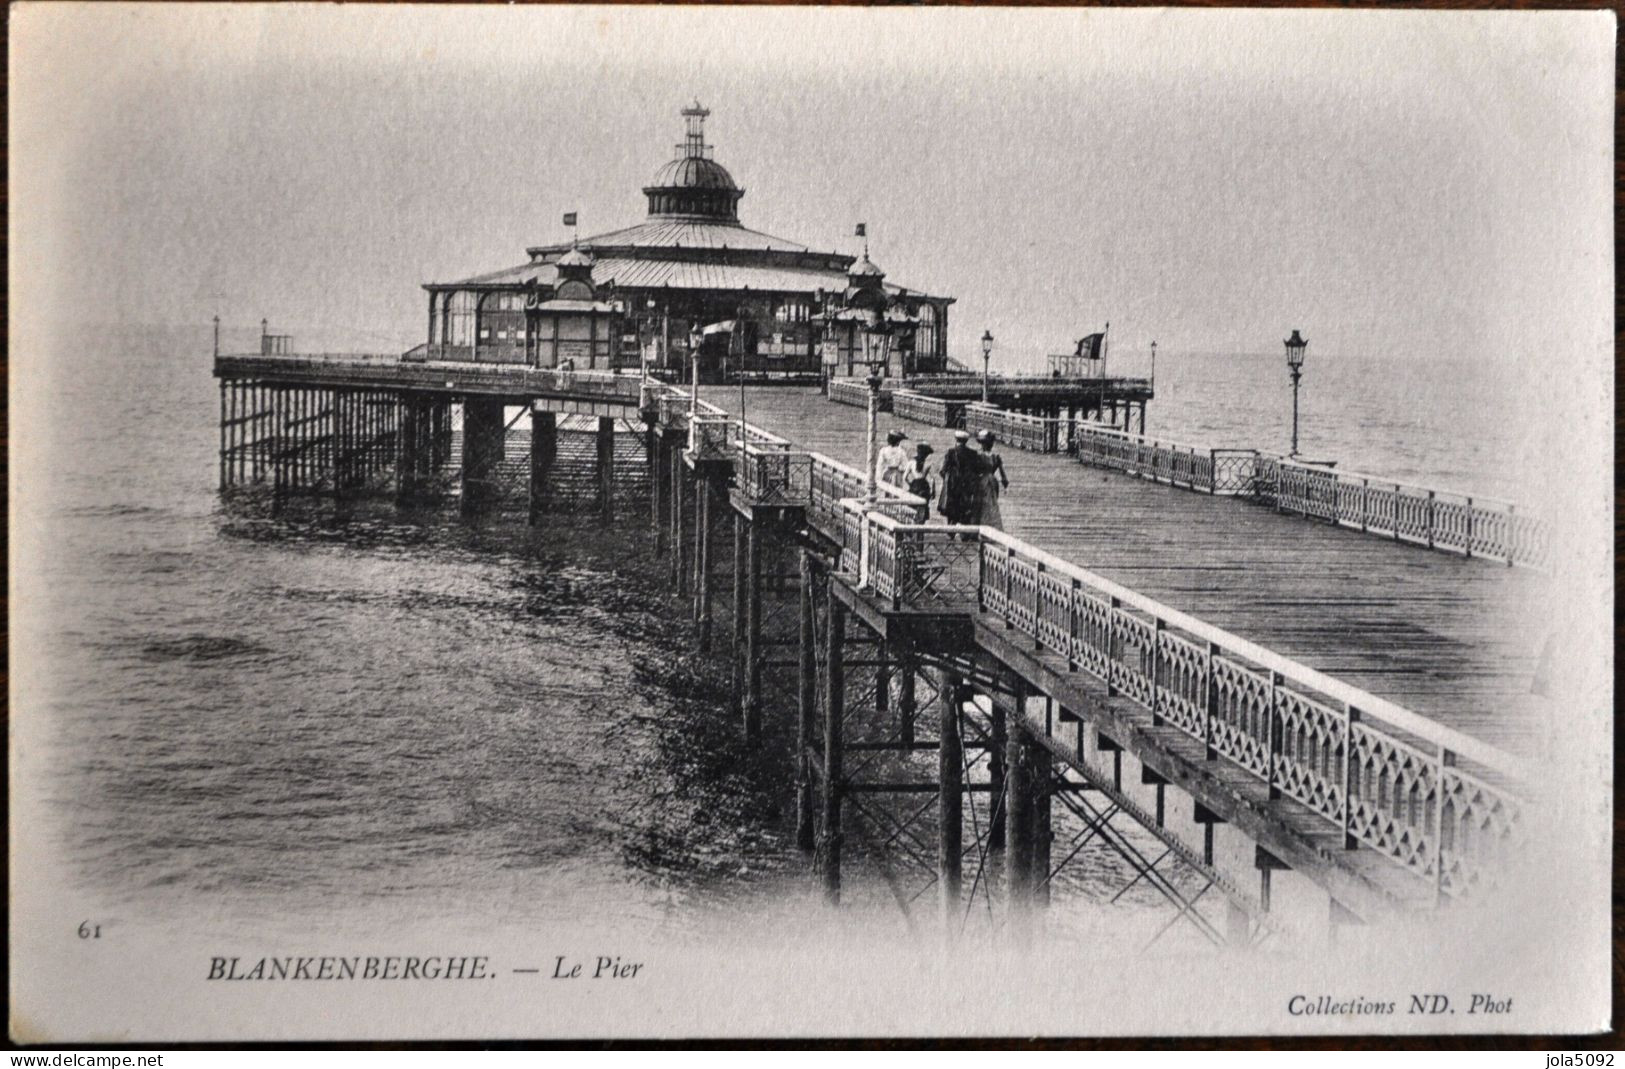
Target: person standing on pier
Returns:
[892, 462]
[918, 474]
[993, 479]
[961, 481]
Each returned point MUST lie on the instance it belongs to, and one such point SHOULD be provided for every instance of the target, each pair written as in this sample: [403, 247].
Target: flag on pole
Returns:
[862, 231]
[1090, 348]
[724, 327]
[569, 218]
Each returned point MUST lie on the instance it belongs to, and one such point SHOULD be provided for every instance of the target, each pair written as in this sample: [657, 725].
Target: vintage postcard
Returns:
[677, 522]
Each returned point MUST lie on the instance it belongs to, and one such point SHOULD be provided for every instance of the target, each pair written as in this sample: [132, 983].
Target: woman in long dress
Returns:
[918, 474]
[993, 480]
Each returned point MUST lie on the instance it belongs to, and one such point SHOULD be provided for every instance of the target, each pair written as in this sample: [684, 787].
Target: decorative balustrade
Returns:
[713, 437]
[969, 387]
[777, 475]
[855, 391]
[934, 411]
[373, 369]
[1162, 461]
[918, 565]
[1389, 779]
[1441, 519]
[310, 359]
[1036, 434]
[1424, 796]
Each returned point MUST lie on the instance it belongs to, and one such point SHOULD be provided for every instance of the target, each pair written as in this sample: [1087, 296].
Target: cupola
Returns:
[694, 186]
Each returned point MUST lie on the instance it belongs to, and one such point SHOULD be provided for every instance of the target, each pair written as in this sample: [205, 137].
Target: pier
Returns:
[1192, 656]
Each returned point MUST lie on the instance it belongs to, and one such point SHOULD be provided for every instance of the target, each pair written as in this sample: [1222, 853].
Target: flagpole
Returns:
[1105, 344]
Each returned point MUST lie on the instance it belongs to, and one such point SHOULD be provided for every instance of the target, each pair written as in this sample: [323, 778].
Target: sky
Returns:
[1410, 184]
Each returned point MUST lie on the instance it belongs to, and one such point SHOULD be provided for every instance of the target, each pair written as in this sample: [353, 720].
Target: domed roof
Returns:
[576, 257]
[693, 172]
[865, 268]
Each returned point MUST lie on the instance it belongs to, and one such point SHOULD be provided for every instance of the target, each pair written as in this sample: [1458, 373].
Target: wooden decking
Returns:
[1452, 639]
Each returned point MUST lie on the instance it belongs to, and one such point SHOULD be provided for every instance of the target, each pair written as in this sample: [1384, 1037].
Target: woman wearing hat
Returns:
[993, 478]
[892, 460]
[918, 474]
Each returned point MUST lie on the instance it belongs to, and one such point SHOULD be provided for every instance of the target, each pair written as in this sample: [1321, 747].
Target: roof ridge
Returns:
[673, 228]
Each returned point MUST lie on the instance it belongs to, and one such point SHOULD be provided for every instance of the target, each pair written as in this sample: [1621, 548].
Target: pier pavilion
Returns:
[690, 263]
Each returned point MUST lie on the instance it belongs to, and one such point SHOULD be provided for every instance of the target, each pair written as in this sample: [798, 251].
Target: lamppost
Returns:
[1295, 346]
[1153, 363]
[694, 340]
[877, 339]
[987, 356]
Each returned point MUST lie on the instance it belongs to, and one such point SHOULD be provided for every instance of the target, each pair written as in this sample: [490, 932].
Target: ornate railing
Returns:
[925, 567]
[297, 359]
[672, 406]
[1441, 519]
[934, 411]
[1235, 471]
[849, 392]
[1427, 797]
[830, 482]
[714, 437]
[776, 476]
[1158, 460]
[969, 387]
[380, 370]
[1036, 434]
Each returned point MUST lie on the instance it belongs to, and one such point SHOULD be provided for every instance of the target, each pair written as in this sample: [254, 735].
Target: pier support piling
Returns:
[605, 467]
[950, 799]
[482, 453]
[834, 714]
[703, 494]
[753, 634]
[998, 742]
[806, 707]
[1043, 820]
[679, 538]
[544, 452]
[739, 596]
[1018, 792]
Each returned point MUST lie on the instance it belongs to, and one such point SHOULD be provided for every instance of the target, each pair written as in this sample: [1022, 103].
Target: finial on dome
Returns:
[577, 257]
[863, 267]
[694, 117]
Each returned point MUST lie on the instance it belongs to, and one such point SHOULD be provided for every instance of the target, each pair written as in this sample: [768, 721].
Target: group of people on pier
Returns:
[967, 486]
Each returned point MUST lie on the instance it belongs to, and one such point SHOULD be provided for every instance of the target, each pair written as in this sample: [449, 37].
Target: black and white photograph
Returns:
[591, 522]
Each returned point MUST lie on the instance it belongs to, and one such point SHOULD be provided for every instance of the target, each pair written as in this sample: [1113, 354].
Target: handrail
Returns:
[1038, 434]
[926, 382]
[923, 408]
[1470, 524]
[599, 383]
[1346, 754]
[314, 358]
[1397, 716]
[1347, 475]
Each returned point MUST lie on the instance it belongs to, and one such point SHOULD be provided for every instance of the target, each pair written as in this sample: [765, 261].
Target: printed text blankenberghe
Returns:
[475, 967]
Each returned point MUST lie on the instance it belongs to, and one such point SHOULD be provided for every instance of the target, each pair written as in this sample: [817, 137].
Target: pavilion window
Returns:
[460, 318]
